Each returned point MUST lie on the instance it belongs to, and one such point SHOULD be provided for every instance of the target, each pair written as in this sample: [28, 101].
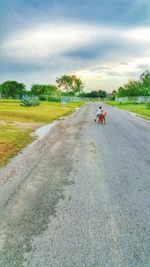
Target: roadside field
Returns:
[139, 109]
[17, 123]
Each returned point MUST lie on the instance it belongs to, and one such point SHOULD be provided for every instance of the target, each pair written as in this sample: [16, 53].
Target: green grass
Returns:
[139, 109]
[16, 123]
[45, 113]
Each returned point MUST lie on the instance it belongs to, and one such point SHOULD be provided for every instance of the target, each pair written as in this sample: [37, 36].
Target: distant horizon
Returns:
[105, 43]
[108, 90]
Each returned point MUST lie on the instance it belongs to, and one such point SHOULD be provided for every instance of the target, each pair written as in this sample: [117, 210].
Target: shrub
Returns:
[49, 98]
[53, 99]
[30, 101]
[43, 97]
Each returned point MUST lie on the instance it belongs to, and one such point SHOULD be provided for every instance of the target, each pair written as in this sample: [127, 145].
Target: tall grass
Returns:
[148, 105]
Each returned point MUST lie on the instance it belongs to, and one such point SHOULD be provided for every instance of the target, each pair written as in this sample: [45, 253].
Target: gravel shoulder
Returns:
[84, 200]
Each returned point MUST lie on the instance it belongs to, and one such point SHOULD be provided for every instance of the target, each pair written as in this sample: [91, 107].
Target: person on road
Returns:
[102, 115]
[98, 112]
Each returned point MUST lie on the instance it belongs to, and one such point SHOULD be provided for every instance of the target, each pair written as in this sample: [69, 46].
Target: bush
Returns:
[43, 97]
[49, 98]
[53, 99]
[30, 101]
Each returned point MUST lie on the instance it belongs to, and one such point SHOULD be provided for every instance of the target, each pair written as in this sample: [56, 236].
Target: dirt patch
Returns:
[27, 125]
[7, 149]
[23, 125]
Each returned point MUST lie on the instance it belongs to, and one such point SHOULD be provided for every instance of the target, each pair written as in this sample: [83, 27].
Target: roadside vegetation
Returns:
[22, 111]
[12, 140]
[17, 122]
[133, 96]
[140, 109]
[133, 88]
[139, 87]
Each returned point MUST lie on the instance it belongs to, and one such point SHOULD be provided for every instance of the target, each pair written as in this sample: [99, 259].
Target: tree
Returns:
[132, 88]
[12, 89]
[38, 89]
[136, 88]
[102, 94]
[145, 76]
[145, 83]
[70, 83]
[121, 92]
[114, 93]
[44, 89]
[94, 94]
[97, 94]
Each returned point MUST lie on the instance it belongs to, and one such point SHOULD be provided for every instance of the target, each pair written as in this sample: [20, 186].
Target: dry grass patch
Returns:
[12, 140]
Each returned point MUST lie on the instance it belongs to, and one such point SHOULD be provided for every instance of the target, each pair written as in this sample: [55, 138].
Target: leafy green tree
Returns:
[114, 93]
[97, 94]
[145, 83]
[77, 84]
[38, 89]
[12, 89]
[70, 83]
[71, 93]
[44, 90]
[136, 88]
[121, 92]
[102, 93]
[94, 94]
[83, 94]
[132, 88]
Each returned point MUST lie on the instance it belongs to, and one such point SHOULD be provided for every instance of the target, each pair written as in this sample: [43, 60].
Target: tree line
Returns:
[67, 85]
[94, 94]
[16, 90]
[71, 85]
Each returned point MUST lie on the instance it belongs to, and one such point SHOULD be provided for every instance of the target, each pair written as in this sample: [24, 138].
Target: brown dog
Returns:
[101, 118]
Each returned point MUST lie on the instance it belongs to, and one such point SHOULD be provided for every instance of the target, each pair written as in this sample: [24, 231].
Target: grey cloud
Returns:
[18, 15]
[143, 66]
[123, 74]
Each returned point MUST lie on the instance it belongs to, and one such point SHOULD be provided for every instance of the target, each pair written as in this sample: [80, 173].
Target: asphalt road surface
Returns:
[83, 200]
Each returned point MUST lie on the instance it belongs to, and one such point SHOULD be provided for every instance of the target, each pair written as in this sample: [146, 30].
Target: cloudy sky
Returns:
[105, 42]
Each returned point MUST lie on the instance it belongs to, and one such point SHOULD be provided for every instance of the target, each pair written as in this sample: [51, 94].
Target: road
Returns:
[86, 200]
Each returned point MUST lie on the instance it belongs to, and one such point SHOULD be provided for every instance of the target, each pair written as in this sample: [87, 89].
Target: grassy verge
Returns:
[140, 109]
[17, 122]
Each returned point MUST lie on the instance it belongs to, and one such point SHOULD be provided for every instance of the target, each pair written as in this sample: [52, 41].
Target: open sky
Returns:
[105, 42]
